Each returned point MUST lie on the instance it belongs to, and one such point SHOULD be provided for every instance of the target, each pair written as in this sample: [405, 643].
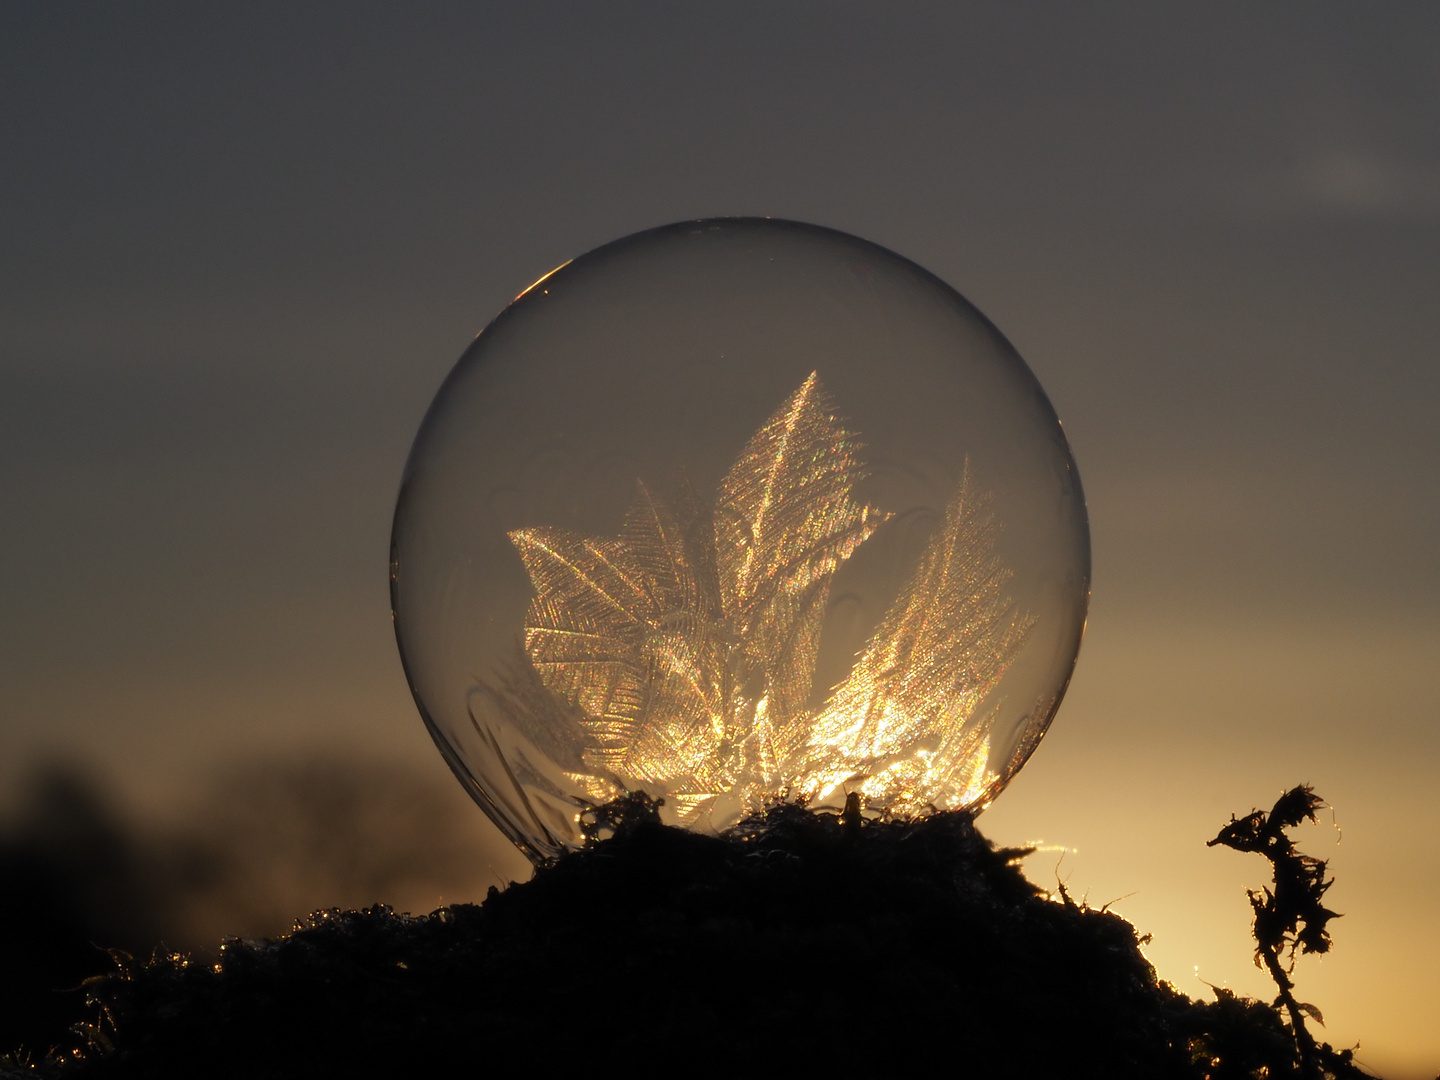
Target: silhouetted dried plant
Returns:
[1290, 917]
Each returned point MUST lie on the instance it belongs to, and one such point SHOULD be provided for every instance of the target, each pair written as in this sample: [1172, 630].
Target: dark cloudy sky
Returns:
[240, 247]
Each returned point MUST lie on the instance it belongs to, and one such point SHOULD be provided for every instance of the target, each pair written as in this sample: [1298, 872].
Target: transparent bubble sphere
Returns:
[730, 512]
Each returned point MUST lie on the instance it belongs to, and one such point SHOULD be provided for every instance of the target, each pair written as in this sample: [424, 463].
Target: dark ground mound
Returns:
[805, 942]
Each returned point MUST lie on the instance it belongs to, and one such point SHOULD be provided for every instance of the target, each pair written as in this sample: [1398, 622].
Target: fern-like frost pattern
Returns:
[685, 648]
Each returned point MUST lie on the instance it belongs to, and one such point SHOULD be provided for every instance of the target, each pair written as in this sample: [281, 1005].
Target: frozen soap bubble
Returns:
[732, 511]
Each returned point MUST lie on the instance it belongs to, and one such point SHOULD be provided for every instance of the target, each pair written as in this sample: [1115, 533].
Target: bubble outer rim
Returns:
[452, 758]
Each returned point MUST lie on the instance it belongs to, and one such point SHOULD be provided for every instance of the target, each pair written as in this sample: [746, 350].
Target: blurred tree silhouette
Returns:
[72, 883]
[277, 840]
[268, 843]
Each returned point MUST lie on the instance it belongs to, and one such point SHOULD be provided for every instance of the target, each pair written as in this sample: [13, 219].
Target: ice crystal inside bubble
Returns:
[732, 511]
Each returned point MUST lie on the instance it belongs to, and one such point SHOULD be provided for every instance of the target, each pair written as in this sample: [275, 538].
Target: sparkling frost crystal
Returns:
[685, 648]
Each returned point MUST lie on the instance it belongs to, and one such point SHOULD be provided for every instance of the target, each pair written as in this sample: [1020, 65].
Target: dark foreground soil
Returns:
[804, 944]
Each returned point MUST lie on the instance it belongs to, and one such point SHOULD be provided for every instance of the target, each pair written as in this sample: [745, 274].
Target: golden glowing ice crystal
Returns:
[685, 648]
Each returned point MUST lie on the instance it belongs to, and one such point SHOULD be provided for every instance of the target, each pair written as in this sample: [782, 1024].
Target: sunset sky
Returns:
[242, 248]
